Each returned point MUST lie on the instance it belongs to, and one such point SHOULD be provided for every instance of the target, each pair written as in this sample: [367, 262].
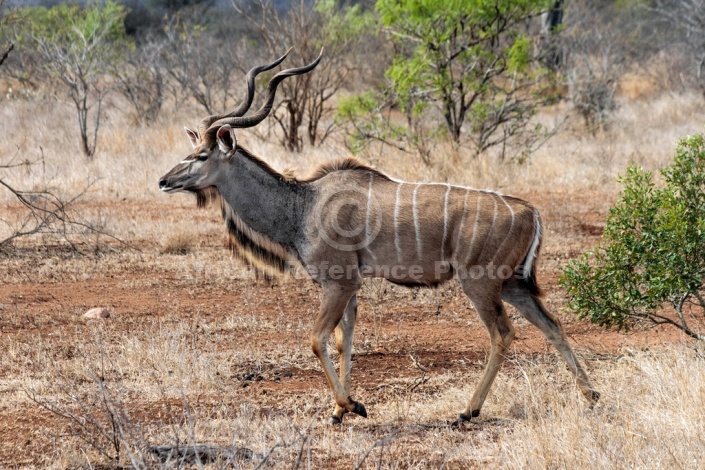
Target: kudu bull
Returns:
[349, 221]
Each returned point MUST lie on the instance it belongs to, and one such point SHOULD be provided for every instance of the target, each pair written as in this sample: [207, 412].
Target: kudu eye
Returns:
[202, 158]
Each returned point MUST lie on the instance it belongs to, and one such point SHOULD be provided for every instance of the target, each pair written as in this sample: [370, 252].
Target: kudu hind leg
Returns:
[344, 343]
[334, 301]
[536, 313]
[501, 332]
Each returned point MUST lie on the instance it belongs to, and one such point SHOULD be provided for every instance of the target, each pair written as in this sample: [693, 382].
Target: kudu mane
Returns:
[344, 164]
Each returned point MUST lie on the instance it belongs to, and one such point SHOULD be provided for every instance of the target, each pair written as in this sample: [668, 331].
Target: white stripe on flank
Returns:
[474, 228]
[419, 251]
[509, 233]
[445, 224]
[489, 232]
[367, 214]
[531, 256]
[431, 183]
[396, 223]
[511, 211]
[462, 222]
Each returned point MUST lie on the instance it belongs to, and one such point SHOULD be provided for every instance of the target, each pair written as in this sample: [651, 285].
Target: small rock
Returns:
[97, 312]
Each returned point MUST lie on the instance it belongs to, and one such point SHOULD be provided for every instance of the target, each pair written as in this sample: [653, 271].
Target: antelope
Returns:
[349, 221]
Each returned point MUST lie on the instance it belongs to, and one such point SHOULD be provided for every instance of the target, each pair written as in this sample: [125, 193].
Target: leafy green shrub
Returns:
[471, 60]
[652, 250]
[368, 115]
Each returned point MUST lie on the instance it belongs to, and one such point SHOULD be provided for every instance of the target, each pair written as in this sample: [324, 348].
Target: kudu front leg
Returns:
[344, 343]
[333, 306]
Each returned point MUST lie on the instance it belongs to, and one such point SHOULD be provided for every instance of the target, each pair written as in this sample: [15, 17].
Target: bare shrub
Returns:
[142, 80]
[682, 31]
[75, 45]
[201, 62]
[5, 18]
[595, 62]
[593, 84]
[46, 212]
[309, 26]
[99, 420]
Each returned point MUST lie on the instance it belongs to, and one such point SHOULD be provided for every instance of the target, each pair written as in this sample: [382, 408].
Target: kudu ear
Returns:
[226, 139]
[192, 136]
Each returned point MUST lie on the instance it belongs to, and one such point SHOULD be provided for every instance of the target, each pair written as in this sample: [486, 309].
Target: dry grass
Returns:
[179, 243]
[130, 160]
[196, 351]
[650, 417]
[173, 383]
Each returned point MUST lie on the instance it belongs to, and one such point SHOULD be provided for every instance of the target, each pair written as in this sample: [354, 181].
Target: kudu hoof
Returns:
[334, 420]
[359, 409]
[594, 396]
[463, 418]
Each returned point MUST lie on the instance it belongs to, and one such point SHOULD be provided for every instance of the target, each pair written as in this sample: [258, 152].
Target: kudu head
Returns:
[215, 144]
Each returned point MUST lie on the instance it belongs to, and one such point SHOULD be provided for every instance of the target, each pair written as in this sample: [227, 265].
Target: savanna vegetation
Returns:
[591, 110]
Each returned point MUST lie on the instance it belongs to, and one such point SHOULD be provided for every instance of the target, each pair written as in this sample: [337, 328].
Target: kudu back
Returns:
[349, 221]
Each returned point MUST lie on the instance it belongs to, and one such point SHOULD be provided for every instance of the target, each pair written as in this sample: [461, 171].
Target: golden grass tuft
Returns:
[178, 243]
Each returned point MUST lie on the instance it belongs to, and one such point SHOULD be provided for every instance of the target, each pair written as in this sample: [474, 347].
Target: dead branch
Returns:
[381, 443]
[48, 213]
[200, 454]
[7, 52]
[422, 379]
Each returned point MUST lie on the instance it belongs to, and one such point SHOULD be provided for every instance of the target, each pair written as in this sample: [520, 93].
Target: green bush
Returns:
[652, 251]
[472, 59]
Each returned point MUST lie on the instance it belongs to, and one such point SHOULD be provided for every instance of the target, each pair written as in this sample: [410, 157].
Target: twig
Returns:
[306, 440]
[378, 443]
[269, 453]
[419, 380]
[7, 52]
[50, 213]
[10, 164]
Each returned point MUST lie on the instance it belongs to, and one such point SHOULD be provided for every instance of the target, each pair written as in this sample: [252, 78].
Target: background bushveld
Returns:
[551, 101]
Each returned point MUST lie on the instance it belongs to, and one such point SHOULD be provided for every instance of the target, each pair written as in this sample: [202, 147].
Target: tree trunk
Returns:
[551, 53]
[292, 133]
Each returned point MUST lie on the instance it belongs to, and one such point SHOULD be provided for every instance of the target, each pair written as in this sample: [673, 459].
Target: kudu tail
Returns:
[527, 271]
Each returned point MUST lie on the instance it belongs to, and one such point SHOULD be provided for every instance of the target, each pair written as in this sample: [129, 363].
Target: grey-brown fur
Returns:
[348, 221]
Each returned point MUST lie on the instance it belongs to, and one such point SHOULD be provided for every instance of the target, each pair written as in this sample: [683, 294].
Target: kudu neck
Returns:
[263, 199]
